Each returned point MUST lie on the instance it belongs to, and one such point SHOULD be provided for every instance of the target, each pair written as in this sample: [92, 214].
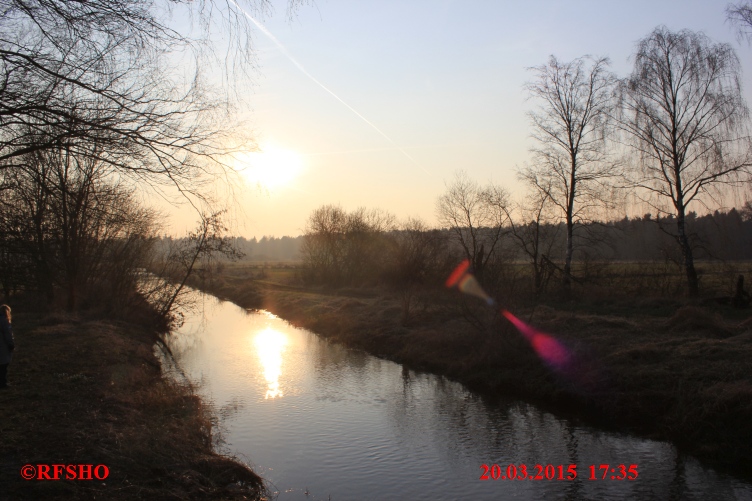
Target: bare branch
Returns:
[740, 16]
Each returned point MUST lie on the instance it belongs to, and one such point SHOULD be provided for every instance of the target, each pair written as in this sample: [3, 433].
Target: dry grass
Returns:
[89, 391]
[686, 376]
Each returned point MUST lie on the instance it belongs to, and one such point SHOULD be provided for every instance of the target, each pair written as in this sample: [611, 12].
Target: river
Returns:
[323, 422]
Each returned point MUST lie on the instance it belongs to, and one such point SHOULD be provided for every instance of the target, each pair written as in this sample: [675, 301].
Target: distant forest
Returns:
[630, 256]
[721, 235]
[269, 248]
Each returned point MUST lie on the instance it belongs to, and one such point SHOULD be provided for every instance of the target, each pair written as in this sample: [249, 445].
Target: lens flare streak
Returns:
[551, 351]
[467, 283]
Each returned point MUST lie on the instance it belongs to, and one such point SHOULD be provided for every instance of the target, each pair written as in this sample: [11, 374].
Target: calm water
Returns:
[338, 424]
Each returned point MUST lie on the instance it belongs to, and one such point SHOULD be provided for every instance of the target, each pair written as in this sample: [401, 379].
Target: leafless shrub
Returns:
[475, 216]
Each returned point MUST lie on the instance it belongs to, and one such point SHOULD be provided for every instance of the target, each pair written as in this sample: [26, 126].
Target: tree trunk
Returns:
[538, 260]
[686, 248]
[478, 263]
[45, 282]
[570, 220]
[570, 250]
[71, 297]
[43, 272]
[537, 277]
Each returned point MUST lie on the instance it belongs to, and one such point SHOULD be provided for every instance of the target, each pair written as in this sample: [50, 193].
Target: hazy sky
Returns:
[442, 80]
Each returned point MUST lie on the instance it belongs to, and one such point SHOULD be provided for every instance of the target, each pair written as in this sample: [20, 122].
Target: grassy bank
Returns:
[660, 367]
[88, 390]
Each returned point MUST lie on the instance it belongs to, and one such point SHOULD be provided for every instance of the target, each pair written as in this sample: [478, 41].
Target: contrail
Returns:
[335, 96]
[390, 148]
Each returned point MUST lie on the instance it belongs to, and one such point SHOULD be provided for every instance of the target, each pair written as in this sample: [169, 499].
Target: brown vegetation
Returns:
[86, 390]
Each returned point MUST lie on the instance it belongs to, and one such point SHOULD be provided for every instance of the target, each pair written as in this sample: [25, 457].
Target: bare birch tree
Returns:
[683, 114]
[570, 126]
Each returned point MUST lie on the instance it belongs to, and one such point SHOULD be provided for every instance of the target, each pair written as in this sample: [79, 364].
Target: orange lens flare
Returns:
[458, 273]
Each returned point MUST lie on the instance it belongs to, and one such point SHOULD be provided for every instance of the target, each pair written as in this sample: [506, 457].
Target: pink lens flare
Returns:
[550, 350]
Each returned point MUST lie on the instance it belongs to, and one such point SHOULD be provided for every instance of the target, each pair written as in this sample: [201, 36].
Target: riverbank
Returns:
[662, 368]
[87, 389]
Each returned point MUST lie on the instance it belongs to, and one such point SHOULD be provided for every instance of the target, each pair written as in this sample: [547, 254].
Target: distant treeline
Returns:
[721, 235]
[725, 236]
[269, 248]
[368, 248]
[265, 250]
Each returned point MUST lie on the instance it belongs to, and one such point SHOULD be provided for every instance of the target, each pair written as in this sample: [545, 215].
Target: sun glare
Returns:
[269, 346]
[271, 167]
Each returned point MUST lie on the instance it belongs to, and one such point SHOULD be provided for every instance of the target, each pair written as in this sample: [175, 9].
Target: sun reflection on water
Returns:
[269, 346]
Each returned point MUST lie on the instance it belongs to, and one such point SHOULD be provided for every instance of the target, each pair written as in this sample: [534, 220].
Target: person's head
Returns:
[5, 311]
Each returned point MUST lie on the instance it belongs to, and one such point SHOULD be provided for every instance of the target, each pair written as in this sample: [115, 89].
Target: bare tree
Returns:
[323, 244]
[740, 16]
[205, 243]
[535, 232]
[684, 116]
[89, 214]
[77, 226]
[98, 97]
[366, 244]
[420, 254]
[25, 213]
[570, 128]
[341, 247]
[475, 215]
[117, 71]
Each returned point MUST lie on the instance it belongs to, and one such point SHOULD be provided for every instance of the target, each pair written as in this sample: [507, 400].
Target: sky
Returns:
[386, 100]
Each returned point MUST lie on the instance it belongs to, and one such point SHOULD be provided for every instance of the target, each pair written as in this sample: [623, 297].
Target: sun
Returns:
[270, 167]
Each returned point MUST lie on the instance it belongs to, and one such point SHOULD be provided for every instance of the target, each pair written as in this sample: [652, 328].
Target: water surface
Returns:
[320, 421]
